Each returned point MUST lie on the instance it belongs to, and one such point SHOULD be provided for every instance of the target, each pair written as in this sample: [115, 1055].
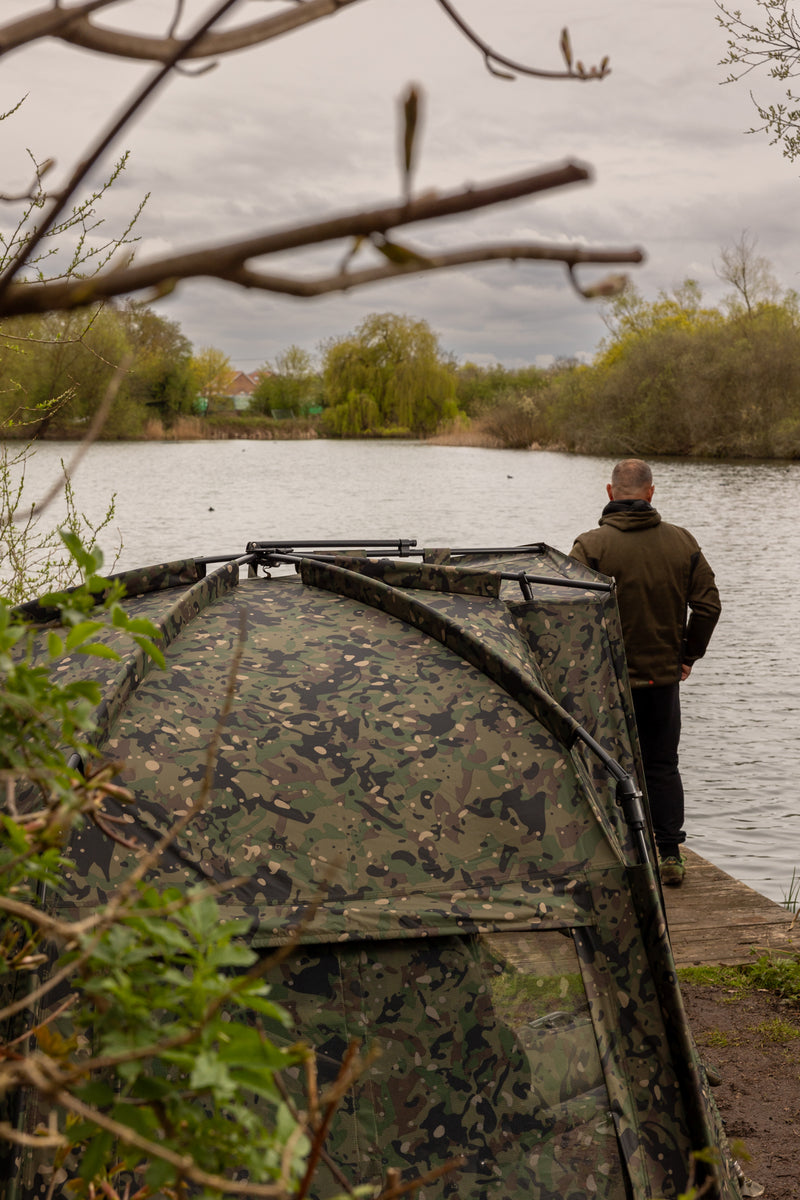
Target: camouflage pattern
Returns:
[401, 776]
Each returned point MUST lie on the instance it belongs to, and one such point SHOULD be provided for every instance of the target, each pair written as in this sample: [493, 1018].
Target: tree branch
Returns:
[78, 30]
[571, 256]
[83, 168]
[44, 1076]
[227, 260]
[490, 56]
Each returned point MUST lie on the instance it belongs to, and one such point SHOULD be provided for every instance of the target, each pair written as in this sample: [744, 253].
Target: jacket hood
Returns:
[630, 515]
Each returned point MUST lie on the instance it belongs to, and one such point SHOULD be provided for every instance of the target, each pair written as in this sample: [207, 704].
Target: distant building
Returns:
[242, 388]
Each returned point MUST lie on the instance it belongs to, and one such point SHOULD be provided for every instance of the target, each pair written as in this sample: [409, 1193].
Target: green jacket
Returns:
[661, 578]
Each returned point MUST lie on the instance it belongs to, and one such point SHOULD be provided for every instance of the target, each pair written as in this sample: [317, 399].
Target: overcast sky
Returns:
[306, 126]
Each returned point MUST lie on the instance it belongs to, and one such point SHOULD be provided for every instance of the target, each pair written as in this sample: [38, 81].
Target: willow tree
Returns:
[390, 376]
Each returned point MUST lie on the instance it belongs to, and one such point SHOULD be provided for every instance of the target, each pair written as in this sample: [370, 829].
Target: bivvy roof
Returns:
[429, 769]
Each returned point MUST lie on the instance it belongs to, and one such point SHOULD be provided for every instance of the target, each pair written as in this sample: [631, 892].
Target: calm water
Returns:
[741, 743]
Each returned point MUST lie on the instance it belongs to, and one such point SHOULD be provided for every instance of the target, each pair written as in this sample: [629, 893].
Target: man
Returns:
[660, 574]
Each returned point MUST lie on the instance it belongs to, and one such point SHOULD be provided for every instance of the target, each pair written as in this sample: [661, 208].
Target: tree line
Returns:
[672, 376]
[389, 377]
[676, 377]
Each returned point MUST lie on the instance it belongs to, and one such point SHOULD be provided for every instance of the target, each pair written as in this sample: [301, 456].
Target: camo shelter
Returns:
[429, 768]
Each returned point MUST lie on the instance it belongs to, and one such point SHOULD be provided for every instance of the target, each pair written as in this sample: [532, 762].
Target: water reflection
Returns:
[740, 741]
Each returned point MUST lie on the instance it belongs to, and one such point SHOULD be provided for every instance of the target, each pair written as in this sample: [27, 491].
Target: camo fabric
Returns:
[157, 578]
[477, 1056]
[358, 759]
[401, 776]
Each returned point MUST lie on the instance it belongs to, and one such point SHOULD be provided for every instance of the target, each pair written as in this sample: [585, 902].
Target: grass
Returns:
[716, 1037]
[778, 1030]
[775, 972]
[791, 899]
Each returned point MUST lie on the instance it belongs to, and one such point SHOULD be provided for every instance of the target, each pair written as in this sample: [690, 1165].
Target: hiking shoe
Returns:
[673, 870]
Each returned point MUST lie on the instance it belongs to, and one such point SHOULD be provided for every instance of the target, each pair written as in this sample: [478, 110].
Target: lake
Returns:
[740, 749]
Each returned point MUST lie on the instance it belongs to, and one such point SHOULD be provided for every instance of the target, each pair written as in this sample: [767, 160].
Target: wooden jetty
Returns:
[714, 918]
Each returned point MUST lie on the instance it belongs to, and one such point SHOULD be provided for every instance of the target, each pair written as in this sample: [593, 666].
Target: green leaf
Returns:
[100, 650]
[98, 1094]
[55, 645]
[140, 1118]
[151, 650]
[96, 1156]
[211, 1074]
[158, 1175]
[80, 632]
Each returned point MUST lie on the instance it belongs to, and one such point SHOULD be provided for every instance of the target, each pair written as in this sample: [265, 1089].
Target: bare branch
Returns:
[571, 256]
[83, 168]
[227, 260]
[35, 188]
[80, 31]
[49, 22]
[491, 57]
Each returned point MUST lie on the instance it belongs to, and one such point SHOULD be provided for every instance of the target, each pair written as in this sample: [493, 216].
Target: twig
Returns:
[491, 56]
[31, 1073]
[117, 125]
[325, 1157]
[402, 1189]
[350, 1064]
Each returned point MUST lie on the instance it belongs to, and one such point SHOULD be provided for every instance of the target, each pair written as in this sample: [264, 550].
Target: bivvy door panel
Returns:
[485, 1052]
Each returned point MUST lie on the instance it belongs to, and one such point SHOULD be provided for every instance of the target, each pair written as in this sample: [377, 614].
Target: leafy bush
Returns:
[160, 979]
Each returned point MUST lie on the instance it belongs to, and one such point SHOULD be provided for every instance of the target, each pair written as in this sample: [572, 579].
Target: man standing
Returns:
[661, 577]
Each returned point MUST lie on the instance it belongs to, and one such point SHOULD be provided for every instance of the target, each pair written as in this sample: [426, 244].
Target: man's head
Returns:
[631, 479]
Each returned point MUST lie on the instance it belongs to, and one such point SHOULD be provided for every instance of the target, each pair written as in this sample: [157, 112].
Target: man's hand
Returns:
[686, 670]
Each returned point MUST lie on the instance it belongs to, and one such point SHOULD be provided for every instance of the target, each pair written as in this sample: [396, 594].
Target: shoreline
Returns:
[260, 429]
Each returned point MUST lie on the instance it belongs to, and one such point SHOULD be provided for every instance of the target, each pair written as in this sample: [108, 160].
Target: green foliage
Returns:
[55, 371]
[501, 403]
[731, 978]
[55, 368]
[166, 996]
[791, 899]
[389, 377]
[37, 719]
[160, 378]
[677, 378]
[522, 997]
[289, 385]
[776, 971]
[172, 998]
[778, 1030]
[212, 376]
[33, 558]
[74, 245]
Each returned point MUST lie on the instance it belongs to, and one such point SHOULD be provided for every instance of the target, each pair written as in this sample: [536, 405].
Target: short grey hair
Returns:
[631, 477]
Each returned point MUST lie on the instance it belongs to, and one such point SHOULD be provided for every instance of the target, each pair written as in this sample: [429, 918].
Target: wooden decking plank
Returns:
[716, 919]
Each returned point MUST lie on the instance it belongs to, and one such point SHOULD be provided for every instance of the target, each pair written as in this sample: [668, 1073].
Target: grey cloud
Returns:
[308, 126]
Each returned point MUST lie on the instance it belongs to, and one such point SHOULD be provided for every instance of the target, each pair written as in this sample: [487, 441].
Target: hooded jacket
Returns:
[662, 578]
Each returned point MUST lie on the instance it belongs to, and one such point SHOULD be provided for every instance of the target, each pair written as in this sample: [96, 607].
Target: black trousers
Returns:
[658, 718]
